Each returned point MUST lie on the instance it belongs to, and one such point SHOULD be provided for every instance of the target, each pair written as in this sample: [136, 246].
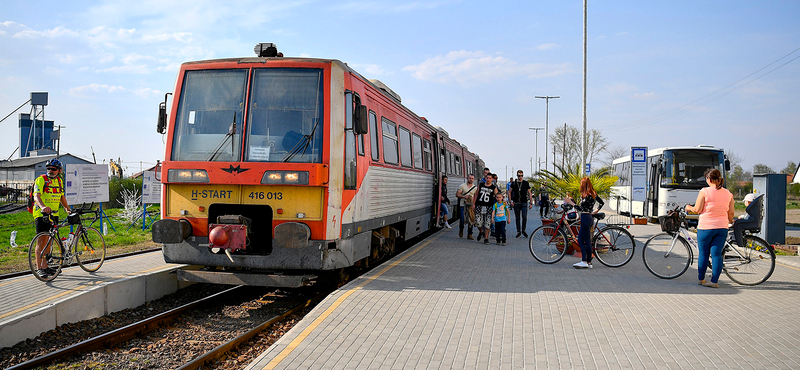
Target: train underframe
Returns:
[290, 258]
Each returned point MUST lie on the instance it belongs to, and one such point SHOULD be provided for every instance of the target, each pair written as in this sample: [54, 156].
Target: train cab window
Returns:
[389, 141]
[285, 123]
[210, 102]
[405, 147]
[417, 151]
[373, 136]
[428, 154]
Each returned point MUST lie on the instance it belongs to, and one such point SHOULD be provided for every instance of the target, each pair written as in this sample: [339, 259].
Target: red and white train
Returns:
[280, 169]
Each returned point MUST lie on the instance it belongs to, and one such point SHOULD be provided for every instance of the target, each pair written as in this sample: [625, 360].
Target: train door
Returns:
[350, 163]
[438, 169]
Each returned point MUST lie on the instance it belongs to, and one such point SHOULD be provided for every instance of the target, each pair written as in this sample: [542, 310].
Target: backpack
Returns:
[30, 193]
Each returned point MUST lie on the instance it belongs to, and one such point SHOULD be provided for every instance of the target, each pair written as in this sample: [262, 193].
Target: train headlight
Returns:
[176, 175]
[285, 177]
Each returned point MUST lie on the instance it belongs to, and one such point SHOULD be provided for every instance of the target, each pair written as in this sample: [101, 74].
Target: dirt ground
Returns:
[793, 216]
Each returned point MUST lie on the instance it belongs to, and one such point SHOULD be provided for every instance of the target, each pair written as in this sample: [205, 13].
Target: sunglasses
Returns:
[52, 169]
[519, 175]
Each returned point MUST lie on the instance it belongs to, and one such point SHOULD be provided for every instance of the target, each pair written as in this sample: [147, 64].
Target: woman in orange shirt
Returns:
[715, 206]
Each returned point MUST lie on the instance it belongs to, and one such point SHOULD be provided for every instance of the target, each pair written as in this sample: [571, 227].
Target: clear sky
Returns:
[666, 73]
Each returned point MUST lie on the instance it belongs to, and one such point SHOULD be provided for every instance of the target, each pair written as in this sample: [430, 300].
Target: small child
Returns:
[500, 217]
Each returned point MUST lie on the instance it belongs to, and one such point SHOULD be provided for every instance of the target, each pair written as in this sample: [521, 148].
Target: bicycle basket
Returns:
[670, 223]
[74, 219]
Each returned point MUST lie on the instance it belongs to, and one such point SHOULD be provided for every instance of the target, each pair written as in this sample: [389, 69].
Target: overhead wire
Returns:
[738, 84]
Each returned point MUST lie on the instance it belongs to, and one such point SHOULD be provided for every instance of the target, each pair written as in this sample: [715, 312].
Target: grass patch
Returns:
[121, 240]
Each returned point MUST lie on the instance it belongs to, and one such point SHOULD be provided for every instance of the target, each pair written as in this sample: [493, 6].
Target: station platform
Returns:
[30, 307]
[453, 303]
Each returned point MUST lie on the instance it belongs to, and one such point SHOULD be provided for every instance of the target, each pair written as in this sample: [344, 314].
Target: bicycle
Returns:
[612, 245]
[668, 255]
[86, 245]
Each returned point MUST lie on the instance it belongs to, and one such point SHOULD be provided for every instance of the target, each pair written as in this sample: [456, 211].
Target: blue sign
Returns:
[588, 168]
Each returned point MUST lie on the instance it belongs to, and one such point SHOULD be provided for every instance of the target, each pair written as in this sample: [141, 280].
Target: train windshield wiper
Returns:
[301, 145]
[229, 136]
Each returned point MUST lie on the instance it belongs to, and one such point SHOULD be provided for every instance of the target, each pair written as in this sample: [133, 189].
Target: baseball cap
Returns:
[749, 197]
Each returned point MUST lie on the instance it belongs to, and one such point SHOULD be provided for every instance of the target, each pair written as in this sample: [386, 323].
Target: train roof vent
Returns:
[705, 146]
[441, 130]
[386, 89]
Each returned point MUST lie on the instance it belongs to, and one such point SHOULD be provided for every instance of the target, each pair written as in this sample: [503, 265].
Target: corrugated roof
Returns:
[33, 161]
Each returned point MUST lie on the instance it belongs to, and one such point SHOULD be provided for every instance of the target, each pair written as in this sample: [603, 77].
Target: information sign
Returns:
[638, 174]
[86, 183]
[151, 188]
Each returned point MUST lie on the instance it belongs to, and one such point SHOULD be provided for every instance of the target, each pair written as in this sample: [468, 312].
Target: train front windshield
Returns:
[284, 119]
[684, 169]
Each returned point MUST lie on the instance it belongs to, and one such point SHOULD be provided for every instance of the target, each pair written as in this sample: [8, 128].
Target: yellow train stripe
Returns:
[302, 336]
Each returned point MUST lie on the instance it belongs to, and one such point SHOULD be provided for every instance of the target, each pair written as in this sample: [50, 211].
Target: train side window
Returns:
[458, 165]
[428, 154]
[405, 147]
[373, 136]
[417, 151]
[389, 141]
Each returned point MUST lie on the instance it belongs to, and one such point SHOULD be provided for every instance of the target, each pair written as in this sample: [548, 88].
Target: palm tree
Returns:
[568, 181]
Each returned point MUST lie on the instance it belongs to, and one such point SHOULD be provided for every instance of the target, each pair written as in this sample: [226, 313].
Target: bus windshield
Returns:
[210, 103]
[684, 168]
[284, 120]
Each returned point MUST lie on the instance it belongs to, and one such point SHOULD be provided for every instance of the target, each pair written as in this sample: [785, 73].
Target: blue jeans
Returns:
[710, 242]
[521, 208]
[445, 212]
[461, 211]
[500, 231]
[585, 237]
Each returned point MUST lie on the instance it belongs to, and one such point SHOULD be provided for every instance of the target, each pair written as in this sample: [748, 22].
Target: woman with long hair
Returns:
[586, 208]
[715, 206]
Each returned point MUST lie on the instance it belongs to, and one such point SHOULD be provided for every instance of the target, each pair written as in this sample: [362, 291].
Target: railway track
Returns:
[123, 347]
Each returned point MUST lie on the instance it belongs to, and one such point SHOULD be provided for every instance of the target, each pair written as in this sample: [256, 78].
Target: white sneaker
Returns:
[447, 225]
[582, 265]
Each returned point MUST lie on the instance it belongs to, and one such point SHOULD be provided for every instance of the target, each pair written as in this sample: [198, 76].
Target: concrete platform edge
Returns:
[94, 302]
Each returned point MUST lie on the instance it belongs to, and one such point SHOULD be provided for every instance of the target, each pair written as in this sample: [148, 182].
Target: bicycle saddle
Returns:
[599, 215]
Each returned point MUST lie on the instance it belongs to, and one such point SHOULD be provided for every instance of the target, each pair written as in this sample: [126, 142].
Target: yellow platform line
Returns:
[76, 289]
[302, 336]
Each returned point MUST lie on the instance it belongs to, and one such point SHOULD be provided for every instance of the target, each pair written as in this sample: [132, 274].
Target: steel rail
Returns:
[119, 335]
[225, 348]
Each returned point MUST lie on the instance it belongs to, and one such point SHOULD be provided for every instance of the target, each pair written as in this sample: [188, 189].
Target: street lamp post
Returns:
[536, 129]
[546, 125]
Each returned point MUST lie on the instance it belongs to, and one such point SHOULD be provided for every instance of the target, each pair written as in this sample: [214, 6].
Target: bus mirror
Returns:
[360, 121]
[727, 165]
[162, 118]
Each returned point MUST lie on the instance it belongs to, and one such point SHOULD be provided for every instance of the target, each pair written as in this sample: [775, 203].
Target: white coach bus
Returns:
[674, 177]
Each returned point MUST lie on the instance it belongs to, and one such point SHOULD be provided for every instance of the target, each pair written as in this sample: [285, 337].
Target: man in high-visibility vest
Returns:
[48, 195]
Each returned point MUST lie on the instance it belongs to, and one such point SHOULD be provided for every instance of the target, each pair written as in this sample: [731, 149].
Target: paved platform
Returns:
[450, 303]
[30, 307]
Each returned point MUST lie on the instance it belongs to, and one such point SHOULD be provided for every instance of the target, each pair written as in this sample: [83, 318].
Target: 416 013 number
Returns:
[268, 195]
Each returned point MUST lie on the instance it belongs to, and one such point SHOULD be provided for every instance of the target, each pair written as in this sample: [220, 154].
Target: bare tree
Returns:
[734, 158]
[762, 169]
[614, 152]
[596, 144]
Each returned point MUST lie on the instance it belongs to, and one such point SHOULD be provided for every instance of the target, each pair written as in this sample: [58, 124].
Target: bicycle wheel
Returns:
[90, 250]
[547, 244]
[51, 255]
[752, 264]
[613, 246]
[666, 256]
